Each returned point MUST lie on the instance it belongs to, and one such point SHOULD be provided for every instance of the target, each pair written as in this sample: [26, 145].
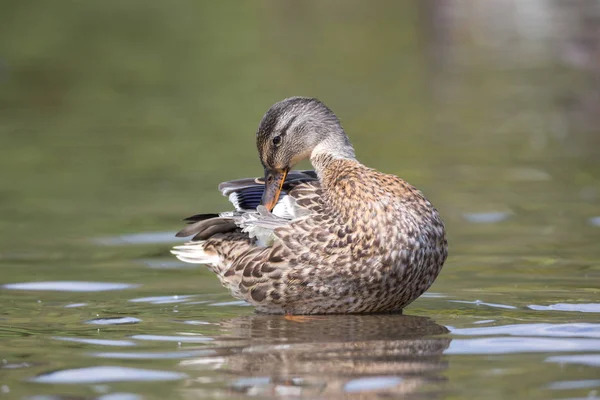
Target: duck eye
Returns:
[277, 140]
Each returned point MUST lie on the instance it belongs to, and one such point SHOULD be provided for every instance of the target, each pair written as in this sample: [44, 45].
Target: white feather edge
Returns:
[258, 224]
[233, 199]
[193, 253]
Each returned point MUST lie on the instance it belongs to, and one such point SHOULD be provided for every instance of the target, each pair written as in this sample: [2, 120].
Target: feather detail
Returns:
[204, 229]
[245, 195]
[194, 253]
[199, 217]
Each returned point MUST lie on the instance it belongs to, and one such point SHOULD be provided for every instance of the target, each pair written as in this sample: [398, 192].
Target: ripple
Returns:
[591, 360]
[70, 286]
[192, 322]
[588, 397]
[168, 264]
[230, 303]
[163, 299]
[242, 383]
[507, 345]
[120, 396]
[7, 365]
[174, 338]
[168, 355]
[98, 342]
[75, 305]
[139, 238]
[46, 397]
[433, 295]
[595, 221]
[481, 303]
[114, 321]
[584, 307]
[550, 330]
[568, 385]
[372, 383]
[486, 217]
[107, 374]
[109, 396]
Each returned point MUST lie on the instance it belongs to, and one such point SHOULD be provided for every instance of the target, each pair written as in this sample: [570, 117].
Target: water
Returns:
[117, 120]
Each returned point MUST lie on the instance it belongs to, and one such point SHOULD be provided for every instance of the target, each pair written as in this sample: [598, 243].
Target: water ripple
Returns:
[75, 305]
[69, 286]
[481, 303]
[433, 295]
[174, 338]
[194, 322]
[114, 321]
[230, 303]
[167, 355]
[550, 330]
[163, 299]
[242, 383]
[584, 307]
[486, 217]
[120, 396]
[591, 360]
[372, 383]
[568, 385]
[507, 345]
[98, 342]
[139, 238]
[107, 374]
[168, 264]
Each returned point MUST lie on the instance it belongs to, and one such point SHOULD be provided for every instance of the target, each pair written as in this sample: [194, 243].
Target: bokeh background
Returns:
[118, 118]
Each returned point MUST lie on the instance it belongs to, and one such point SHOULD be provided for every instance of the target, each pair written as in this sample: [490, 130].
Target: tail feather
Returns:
[199, 217]
[194, 253]
[205, 228]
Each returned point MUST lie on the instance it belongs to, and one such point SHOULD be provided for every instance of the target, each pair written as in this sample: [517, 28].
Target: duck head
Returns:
[293, 130]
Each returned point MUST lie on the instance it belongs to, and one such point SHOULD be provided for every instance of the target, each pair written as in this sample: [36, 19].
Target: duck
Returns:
[340, 239]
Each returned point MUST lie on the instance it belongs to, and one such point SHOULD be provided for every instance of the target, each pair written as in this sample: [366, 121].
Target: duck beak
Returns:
[274, 179]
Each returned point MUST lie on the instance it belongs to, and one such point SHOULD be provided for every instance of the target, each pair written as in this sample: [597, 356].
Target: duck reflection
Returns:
[333, 356]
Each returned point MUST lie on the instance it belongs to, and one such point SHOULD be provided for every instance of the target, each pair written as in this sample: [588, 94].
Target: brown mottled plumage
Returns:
[349, 239]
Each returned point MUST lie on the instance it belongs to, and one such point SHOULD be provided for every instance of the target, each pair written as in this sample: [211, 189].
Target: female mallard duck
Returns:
[346, 239]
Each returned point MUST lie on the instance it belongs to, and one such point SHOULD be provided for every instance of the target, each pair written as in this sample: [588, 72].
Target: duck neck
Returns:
[335, 147]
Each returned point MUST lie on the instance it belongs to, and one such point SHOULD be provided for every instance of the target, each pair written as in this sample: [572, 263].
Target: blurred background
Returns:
[118, 118]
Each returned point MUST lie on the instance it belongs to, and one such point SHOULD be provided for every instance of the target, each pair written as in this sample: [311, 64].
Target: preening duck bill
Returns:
[273, 183]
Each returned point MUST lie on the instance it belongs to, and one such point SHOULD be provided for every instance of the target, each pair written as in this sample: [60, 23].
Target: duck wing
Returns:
[245, 195]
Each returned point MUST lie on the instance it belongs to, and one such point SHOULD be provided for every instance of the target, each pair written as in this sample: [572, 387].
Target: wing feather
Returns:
[249, 216]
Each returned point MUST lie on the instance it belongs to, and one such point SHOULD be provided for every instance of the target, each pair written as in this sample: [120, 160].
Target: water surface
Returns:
[119, 119]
